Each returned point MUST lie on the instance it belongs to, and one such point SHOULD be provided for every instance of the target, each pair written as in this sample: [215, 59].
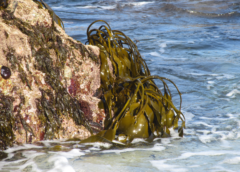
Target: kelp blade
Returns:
[134, 105]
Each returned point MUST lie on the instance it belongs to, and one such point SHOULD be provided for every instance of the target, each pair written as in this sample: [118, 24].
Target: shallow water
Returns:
[196, 44]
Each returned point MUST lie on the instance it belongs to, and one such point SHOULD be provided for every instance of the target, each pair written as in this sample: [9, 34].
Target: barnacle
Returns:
[140, 109]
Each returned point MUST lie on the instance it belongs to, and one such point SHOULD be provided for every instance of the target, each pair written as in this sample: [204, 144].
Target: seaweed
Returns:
[3, 155]
[6, 121]
[26, 127]
[135, 107]
[15, 65]
[3, 4]
[55, 18]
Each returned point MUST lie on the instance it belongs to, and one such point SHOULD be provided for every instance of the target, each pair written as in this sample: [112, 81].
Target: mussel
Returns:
[5, 72]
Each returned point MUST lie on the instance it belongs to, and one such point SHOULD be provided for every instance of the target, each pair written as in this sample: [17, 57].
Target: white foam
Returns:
[162, 166]
[233, 93]
[60, 159]
[72, 153]
[225, 144]
[219, 119]
[205, 153]
[188, 115]
[53, 141]
[189, 132]
[25, 146]
[94, 149]
[206, 138]
[28, 161]
[139, 3]
[87, 6]
[205, 132]
[157, 147]
[156, 54]
[227, 76]
[68, 22]
[174, 133]
[165, 141]
[59, 7]
[235, 160]
[138, 140]
[230, 115]
[226, 99]
[99, 144]
[202, 123]
[210, 82]
[219, 168]
[47, 143]
[118, 142]
[200, 74]
[214, 134]
[60, 164]
[162, 47]
[30, 155]
[175, 59]
[108, 7]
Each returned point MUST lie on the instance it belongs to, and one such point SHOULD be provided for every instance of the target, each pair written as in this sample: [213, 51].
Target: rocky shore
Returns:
[53, 87]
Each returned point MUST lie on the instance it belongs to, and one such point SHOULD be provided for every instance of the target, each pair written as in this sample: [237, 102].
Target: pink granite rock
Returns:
[44, 62]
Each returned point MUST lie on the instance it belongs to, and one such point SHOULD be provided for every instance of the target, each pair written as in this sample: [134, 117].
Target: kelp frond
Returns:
[135, 107]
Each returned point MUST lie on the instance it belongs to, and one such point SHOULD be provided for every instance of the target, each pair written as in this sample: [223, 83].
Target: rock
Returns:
[50, 93]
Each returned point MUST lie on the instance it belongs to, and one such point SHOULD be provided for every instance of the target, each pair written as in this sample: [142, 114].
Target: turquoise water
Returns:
[196, 44]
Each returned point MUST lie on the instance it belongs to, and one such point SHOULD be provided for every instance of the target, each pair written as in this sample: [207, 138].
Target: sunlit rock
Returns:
[50, 93]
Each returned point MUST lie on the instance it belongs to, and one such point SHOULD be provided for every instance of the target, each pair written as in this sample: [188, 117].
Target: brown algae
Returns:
[135, 107]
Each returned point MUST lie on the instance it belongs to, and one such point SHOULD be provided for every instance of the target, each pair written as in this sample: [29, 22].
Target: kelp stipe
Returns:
[134, 105]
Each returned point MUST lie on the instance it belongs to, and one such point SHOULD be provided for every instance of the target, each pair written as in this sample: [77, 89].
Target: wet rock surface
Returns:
[50, 93]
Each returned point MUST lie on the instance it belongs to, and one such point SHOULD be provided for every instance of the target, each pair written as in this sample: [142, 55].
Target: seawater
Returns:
[196, 44]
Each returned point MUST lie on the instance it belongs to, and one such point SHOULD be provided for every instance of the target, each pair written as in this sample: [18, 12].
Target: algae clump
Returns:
[135, 106]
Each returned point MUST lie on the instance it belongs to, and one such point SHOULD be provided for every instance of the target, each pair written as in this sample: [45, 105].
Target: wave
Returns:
[173, 8]
[112, 6]
[139, 3]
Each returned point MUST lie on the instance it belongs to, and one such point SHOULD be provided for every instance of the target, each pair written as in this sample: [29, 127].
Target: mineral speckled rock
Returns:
[53, 78]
